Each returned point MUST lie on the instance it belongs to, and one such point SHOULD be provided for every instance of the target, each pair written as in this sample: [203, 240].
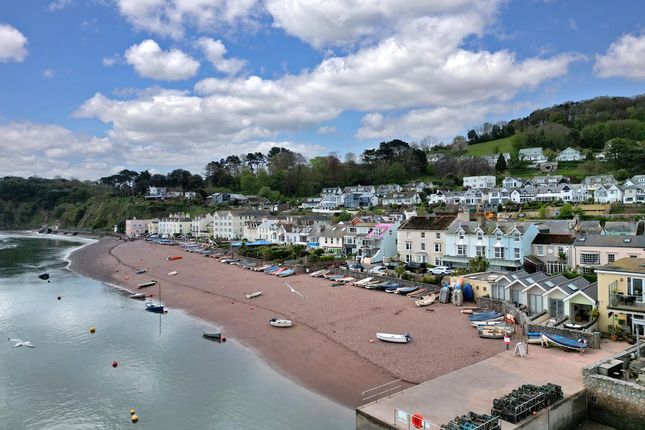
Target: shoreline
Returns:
[328, 350]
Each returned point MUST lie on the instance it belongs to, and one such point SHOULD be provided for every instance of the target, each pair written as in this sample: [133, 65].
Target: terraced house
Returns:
[422, 239]
[503, 244]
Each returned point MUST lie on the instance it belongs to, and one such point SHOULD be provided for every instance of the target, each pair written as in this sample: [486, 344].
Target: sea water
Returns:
[172, 377]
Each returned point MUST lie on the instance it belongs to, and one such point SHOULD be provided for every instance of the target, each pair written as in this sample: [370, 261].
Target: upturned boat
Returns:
[425, 300]
[254, 295]
[485, 316]
[405, 290]
[147, 284]
[175, 257]
[319, 273]
[140, 272]
[138, 296]
[212, 335]
[153, 307]
[563, 342]
[394, 338]
[286, 273]
[44, 276]
[173, 273]
[277, 322]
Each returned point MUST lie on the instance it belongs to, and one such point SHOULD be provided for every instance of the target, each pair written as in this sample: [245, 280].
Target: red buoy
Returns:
[223, 339]
[114, 364]
[417, 420]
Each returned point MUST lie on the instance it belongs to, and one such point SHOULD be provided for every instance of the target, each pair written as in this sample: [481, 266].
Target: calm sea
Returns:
[166, 371]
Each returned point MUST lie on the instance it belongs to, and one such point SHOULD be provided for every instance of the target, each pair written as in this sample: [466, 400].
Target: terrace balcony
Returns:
[626, 302]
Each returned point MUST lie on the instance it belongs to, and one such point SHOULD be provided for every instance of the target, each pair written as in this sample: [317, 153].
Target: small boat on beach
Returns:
[405, 290]
[394, 338]
[138, 296]
[495, 332]
[563, 342]
[261, 268]
[212, 335]
[497, 322]
[534, 337]
[44, 276]
[276, 322]
[147, 284]
[254, 295]
[140, 272]
[362, 282]
[572, 326]
[319, 273]
[280, 270]
[173, 273]
[153, 307]
[286, 273]
[175, 257]
[485, 316]
[426, 300]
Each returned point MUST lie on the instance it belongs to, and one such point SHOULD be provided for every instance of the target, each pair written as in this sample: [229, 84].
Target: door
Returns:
[535, 303]
[556, 308]
[515, 296]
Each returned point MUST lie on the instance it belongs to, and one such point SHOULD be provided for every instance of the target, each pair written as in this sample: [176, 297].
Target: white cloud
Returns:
[215, 51]
[111, 61]
[49, 73]
[50, 150]
[573, 25]
[150, 61]
[59, 5]
[624, 58]
[326, 129]
[170, 17]
[12, 44]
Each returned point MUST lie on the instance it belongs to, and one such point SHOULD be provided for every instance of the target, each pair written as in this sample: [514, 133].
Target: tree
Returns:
[500, 166]
[472, 137]
[459, 143]
[477, 264]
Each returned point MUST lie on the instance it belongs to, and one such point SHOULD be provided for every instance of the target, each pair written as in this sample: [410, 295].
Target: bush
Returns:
[327, 258]
[313, 258]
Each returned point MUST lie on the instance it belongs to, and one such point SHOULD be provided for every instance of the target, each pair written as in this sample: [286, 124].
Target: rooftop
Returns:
[553, 239]
[427, 223]
[611, 241]
[627, 264]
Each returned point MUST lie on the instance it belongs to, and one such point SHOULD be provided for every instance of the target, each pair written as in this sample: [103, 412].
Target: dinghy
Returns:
[534, 337]
[572, 326]
[363, 282]
[394, 338]
[140, 272]
[153, 307]
[496, 322]
[138, 296]
[280, 270]
[44, 276]
[286, 273]
[175, 257]
[254, 295]
[276, 322]
[425, 300]
[495, 332]
[563, 342]
[173, 273]
[405, 290]
[485, 316]
[212, 335]
[147, 284]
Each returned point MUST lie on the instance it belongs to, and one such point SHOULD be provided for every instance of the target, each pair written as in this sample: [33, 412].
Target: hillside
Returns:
[504, 144]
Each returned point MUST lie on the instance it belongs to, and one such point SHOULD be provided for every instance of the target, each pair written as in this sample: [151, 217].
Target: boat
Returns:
[563, 342]
[362, 282]
[44, 276]
[483, 316]
[394, 338]
[254, 295]
[276, 322]
[495, 332]
[425, 300]
[261, 268]
[147, 284]
[173, 273]
[212, 335]
[175, 257]
[333, 276]
[572, 326]
[319, 273]
[280, 270]
[286, 273]
[140, 272]
[534, 337]
[392, 288]
[271, 270]
[499, 321]
[345, 279]
[405, 290]
[157, 308]
[138, 296]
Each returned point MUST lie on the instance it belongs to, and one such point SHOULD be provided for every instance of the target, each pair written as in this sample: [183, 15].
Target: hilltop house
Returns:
[594, 181]
[569, 154]
[332, 198]
[479, 181]
[423, 239]
[503, 244]
[607, 194]
[534, 155]
[511, 182]
[491, 159]
[401, 199]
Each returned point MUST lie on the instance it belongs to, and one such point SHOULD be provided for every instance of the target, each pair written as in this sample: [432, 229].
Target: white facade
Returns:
[534, 155]
[569, 154]
[136, 227]
[608, 194]
[230, 224]
[479, 181]
[202, 226]
[175, 225]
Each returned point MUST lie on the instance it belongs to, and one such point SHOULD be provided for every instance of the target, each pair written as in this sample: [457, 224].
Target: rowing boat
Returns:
[394, 338]
[147, 284]
[276, 322]
[425, 300]
[254, 295]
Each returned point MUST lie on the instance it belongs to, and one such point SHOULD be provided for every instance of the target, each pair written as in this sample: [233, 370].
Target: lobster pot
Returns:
[458, 297]
[473, 421]
[444, 294]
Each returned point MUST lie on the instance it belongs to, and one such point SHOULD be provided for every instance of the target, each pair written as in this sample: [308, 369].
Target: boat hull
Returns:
[254, 295]
[275, 322]
[393, 338]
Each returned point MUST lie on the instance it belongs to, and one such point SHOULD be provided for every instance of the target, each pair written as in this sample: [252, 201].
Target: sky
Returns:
[90, 87]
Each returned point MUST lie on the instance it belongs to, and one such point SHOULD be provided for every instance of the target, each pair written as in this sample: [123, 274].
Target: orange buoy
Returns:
[114, 364]
[417, 420]
[92, 329]
[371, 340]
[135, 418]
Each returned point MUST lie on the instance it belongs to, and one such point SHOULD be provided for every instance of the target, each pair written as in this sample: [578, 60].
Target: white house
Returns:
[397, 199]
[574, 193]
[569, 154]
[230, 224]
[175, 225]
[479, 181]
[633, 194]
[511, 182]
[331, 198]
[608, 194]
[423, 239]
[534, 155]
[202, 226]
[136, 227]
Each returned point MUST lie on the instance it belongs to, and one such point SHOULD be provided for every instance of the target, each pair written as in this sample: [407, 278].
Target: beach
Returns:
[332, 348]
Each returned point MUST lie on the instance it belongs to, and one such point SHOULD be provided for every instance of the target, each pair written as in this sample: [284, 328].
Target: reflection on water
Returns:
[166, 371]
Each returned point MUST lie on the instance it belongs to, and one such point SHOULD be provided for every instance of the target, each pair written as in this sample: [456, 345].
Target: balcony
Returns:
[626, 302]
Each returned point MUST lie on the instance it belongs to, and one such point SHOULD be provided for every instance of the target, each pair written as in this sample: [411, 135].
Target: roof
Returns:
[622, 227]
[553, 239]
[381, 228]
[427, 222]
[570, 286]
[488, 227]
[484, 276]
[532, 278]
[610, 241]
[627, 264]
[531, 151]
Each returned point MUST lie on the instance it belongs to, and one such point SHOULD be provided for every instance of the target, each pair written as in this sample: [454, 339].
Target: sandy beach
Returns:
[329, 349]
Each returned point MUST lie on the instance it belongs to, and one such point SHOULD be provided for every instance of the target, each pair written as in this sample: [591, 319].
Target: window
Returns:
[633, 256]
[590, 258]
[611, 258]
[461, 249]
[437, 247]
[540, 250]
[635, 286]
[555, 267]
[480, 251]
[497, 292]
[423, 246]
[437, 261]
[517, 237]
[461, 237]
[408, 245]
[517, 253]
[423, 235]
[479, 236]
[408, 258]
[499, 252]
[535, 303]
[438, 235]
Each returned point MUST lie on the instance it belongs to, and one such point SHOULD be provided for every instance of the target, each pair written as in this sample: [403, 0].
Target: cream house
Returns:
[423, 239]
[136, 227]
[594, 250]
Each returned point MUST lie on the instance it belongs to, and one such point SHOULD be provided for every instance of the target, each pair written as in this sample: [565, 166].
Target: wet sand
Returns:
[329, 349]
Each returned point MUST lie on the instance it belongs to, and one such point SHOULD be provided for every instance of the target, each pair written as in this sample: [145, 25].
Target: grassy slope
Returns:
[503, 145]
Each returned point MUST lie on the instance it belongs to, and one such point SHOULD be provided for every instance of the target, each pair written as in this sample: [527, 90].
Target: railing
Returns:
[372, 395]
[626, 300]
[406, 420]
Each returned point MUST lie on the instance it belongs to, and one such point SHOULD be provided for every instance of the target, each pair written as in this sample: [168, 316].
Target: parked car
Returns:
[357, 267]
[379, 270]
[415, 267]
[440, 270]
[392, 265]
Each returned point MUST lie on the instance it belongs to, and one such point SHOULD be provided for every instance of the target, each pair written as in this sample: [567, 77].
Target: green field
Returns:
[502, 145]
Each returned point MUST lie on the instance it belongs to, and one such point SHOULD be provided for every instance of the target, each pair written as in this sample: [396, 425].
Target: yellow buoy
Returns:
[92, 329]
[135, 418]
[132, 411]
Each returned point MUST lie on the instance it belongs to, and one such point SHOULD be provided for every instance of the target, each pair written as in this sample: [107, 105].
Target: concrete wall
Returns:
[613, 402]
[565, 414]
[368, 422]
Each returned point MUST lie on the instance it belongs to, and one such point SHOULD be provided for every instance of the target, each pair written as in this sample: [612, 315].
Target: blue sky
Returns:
[88, 87]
